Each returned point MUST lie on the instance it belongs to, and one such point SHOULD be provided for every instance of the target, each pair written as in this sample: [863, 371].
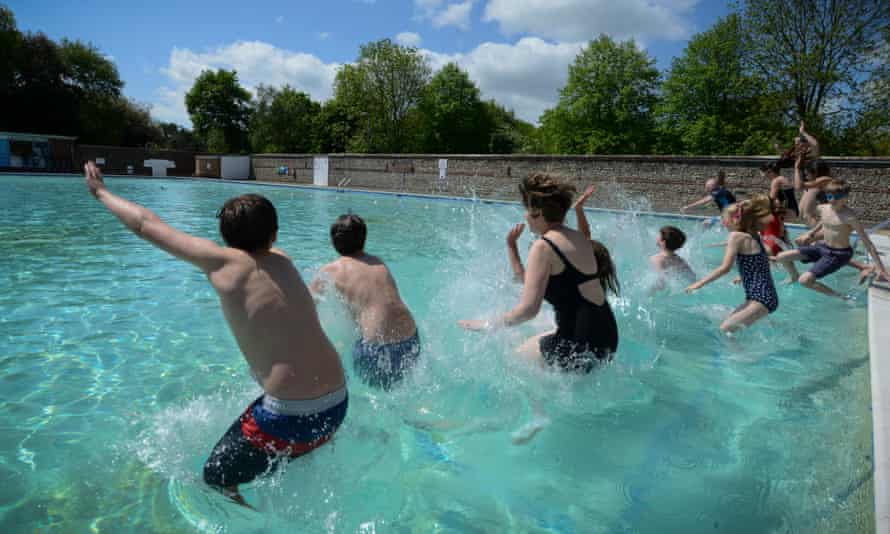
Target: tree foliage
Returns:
[606, 106]
[283, 120]
[813, 51]
[712, 104]
[383, 87]
[454, 119]
[220, 111]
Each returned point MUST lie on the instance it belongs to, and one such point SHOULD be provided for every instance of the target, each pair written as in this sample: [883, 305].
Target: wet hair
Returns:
[547, 194]
[348, 234]
[721, 178]
[248, 222]
[605, 268]
[745, 216]
[838, 186]
[770, 167]
[673, 237]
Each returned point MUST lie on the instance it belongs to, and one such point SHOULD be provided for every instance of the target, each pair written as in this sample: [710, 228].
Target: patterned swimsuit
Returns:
[757, 278]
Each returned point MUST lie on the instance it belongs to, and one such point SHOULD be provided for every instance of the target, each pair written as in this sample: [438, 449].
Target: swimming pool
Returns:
[119, 374]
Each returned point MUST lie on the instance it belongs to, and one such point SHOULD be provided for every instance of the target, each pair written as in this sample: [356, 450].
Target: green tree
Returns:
[711, 104]
[175, 137]
[606, 106]
[220, 110]
[335, 127]
[283, 120]
[454, 119]
[10, 44]
[88, 71]
[510, 134]
[814, 51]
[383, 87]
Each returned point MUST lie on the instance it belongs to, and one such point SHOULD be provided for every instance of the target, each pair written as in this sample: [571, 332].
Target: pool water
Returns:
[119, 375]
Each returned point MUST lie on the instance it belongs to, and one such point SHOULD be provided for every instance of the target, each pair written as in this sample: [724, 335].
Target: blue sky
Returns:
[517, 51]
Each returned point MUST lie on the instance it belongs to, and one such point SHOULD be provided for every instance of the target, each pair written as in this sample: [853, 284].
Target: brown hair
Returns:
[673, 237]
[605, 268]
[548, 194]
[745, 216]
[819, 168]
[348, 234]
[248, 222]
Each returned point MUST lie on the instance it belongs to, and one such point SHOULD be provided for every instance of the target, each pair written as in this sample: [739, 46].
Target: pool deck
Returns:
[879, 351]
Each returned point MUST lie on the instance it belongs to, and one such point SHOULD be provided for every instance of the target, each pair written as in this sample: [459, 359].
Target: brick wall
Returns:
[659, 183]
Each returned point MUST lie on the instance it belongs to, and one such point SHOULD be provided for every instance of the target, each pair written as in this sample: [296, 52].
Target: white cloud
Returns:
[279, 19]
[582, 20]
[525, 76]
[256, 62]
[409, 39]
[457, 15]
[323, 35]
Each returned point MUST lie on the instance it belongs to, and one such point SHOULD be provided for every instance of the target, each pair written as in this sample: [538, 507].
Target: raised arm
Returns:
[812, 141]
[774, 187]
[578, 206]
[513, 253]
[732, 249]
[809, 206]
[872, 251]
[536, 277]
[203, 253]
[700, 202]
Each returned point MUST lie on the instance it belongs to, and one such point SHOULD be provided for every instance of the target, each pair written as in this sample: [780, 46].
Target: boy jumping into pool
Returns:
[389, 345]
[273, 319]
[716, 191]
[836, 222]
[667, 263]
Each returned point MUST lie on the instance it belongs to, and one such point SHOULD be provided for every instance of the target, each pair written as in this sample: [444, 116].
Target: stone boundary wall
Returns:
[657, 183]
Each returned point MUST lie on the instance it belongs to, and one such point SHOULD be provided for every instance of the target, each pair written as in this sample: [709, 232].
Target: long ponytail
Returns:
[606, 268]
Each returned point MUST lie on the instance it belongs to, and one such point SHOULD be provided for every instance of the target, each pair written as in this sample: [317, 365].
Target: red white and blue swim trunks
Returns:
[270, 431]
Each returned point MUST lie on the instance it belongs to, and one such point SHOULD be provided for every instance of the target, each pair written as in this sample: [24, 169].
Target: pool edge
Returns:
[879, 356]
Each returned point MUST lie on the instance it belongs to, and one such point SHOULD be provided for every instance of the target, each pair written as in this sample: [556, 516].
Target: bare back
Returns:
[579, 251]
[272, 315]
[370, 291]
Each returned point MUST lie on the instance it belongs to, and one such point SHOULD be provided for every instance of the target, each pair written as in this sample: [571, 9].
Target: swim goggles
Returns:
[836, 196]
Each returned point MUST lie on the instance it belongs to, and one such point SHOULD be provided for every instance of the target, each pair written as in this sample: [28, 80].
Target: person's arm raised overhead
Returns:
[578, 206]
[203, 253]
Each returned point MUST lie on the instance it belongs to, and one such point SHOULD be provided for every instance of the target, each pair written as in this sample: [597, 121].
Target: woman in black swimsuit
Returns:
[566, 271]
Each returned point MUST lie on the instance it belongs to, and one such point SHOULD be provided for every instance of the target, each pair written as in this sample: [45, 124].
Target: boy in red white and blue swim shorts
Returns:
[270, 432]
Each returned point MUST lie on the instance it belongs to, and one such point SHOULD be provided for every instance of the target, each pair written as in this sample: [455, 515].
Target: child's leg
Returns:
[808, 280]
[789, 267]
[744, 316]
[530, 350]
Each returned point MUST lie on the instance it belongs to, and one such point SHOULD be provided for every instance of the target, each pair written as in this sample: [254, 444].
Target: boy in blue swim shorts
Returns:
[836, 221]
[389, 345]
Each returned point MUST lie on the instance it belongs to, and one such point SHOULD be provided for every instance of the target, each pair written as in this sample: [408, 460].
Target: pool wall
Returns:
[879, 350]
[666, 182]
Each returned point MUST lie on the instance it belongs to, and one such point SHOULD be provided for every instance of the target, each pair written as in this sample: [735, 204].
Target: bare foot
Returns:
[530, 430]
[865, 274]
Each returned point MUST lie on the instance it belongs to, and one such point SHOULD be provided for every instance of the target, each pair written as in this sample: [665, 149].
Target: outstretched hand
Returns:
[94, 180]
[513, 235]
[582, 198]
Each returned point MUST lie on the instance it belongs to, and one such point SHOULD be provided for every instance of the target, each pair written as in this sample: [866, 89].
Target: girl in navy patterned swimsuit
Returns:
[744, 248]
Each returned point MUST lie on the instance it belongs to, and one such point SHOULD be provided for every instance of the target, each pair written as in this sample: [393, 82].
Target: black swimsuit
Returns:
[586, 333]
[788, 199]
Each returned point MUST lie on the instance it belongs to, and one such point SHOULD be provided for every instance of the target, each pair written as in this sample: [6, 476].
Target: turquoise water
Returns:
[119, 375]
